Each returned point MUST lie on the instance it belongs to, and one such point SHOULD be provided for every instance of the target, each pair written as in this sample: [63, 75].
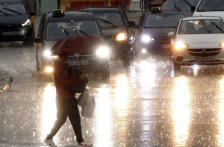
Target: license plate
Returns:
[204, 59]
[82, 62]
[10, 33]
[166, 46]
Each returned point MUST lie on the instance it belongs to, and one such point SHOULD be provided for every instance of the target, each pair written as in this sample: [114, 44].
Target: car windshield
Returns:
[183, 5]
[61, 30]
[162, 20]
[207, 5]
[205, 26]
[12, 9]
[112, 18]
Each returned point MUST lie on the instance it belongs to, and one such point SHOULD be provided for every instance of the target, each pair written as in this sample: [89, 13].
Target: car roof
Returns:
[12, 1]
[201, 17]
[68, 15]
[103, 9]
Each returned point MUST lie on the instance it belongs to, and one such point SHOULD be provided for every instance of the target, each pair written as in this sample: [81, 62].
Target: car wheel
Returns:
[29, 40]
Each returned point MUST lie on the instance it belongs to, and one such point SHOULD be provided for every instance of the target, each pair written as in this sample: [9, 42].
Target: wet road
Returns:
[146, 106]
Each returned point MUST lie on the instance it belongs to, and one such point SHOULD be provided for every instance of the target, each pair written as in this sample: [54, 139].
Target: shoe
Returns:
[85, 144]
[50, 142]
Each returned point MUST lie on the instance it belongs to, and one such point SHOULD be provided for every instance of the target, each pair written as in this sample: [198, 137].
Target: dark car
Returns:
[60, 24]
[114, 22]
[153, 32]
[16, 24]
[185, 6]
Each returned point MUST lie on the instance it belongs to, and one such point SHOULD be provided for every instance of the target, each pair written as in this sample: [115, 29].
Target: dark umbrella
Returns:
[76, 44]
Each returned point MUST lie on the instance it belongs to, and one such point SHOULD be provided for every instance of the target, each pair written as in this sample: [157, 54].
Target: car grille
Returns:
[204, 52]
[162, 40]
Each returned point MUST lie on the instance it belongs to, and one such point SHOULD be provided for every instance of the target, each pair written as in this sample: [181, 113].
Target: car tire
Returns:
[29, 40]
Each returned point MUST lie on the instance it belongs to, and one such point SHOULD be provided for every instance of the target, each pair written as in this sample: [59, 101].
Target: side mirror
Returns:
[38, 40]
[131, 23]
[32, 13]
[170, 34]
[193, 8]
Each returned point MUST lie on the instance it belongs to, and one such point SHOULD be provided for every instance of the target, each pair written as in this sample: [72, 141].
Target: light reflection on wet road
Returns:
[145, 106]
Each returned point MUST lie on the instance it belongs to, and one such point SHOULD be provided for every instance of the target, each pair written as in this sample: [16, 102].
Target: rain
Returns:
[145, 105]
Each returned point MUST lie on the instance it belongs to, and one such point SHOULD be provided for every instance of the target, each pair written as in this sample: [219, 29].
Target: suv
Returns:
[185, 6]
[115, 24]
[60, 24]
[16, 24]
[210, 8]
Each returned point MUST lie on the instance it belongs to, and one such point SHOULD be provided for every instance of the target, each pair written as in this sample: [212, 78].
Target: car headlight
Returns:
[180, 45]
[145, 39]
[221, 44]
[103, 51]
[27, 23]
[121, 37]
[143, 51]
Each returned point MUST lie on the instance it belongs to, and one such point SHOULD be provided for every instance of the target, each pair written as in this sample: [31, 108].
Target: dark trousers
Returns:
[67, 107]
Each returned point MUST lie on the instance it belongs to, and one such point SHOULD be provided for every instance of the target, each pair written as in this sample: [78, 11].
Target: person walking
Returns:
[66, 102]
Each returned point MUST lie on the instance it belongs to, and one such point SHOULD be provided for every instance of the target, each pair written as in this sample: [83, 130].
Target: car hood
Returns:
[157, 32]
[13, 20]
[206, 40]
[112, 31]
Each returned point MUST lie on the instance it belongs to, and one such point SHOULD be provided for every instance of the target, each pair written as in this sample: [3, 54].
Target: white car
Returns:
[198, 41]
[210, 8]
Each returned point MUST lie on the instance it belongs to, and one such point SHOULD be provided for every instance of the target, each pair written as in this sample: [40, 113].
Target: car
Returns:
[16, 24]
[210, 8]
[119, 30]
[58, 25]
[185, 6]
[153, 29]
[198, 41]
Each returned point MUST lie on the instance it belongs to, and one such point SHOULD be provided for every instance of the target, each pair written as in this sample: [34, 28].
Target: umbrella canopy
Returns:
[75, 44]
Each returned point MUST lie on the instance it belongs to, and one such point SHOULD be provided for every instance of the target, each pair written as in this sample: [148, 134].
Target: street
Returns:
[145, 106]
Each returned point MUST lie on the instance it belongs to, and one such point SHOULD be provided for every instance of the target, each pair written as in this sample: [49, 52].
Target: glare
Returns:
[145, 38]
[47, 53]
[195, 69]
[180, 45]
[144, 51]
[222, 45]
[103, 51]
[49, 109]
[28, 22]
[181, 110]
[121, 37]
[49, 69]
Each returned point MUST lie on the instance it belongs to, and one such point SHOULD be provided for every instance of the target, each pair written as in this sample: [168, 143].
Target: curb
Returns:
[5, 80]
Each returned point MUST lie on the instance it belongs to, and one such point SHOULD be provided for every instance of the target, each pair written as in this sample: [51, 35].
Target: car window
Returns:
[207, 26]
[207, 5]
[12, 9]
[179, 4]
[162, 20]
[61, 30]
[113, 17]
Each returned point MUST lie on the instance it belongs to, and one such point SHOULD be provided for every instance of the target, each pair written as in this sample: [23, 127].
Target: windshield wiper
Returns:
[217, 26]
[66, 32]
[175, 6]
[103, 20]
[5, 12]
[80, 31]
[188, 3]
[12, 10]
